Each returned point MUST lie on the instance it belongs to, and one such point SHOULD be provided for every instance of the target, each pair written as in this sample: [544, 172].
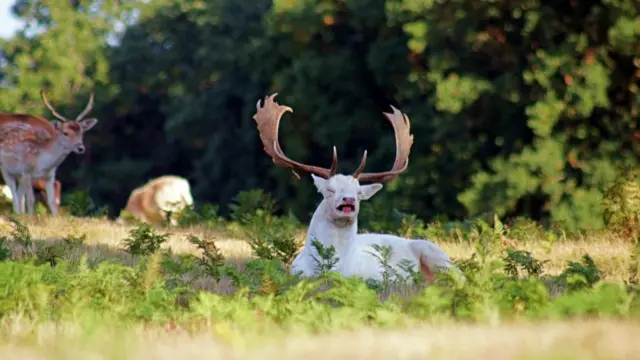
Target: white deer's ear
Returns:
[87, 124]
[367, 191]
[320, 183]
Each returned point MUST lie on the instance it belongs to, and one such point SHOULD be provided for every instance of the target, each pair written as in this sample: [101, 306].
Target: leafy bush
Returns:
[248, 203]
[5, 252]
[269, 297]
[517, 260]
[79, 203]
[143, 240]
[207, 215]
[271, 237]
[580, 275]
[622, 204]
[55, 280]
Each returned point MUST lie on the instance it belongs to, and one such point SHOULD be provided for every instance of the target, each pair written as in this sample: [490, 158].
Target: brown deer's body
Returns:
[151, 202]
[40, 186]
[32, 148]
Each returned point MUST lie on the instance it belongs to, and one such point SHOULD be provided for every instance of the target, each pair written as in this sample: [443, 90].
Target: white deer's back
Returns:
[173, 194]
[364, 260]
[6, 192]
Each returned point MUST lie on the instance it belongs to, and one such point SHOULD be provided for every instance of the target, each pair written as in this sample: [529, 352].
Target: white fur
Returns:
[174, 195]
[333, 227]
[6, 192]
[151, 202]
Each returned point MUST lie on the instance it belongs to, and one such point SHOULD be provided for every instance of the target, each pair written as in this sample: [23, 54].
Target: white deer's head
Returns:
[342, 192]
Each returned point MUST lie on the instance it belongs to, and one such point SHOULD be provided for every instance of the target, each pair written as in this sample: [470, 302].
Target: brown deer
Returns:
[33, 148]
[40, 186]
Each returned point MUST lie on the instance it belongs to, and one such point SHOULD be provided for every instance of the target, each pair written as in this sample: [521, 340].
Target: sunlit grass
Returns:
[104, 238]
[595, 339]
[571, 339]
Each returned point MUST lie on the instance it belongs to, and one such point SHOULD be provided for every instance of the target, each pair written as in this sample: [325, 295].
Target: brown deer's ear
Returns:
[87, 124]
[57, 125]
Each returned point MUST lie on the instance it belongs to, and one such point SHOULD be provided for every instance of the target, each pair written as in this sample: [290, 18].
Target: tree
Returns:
[518, 108]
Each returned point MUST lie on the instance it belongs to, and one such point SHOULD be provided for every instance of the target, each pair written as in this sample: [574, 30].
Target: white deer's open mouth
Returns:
[347, 208]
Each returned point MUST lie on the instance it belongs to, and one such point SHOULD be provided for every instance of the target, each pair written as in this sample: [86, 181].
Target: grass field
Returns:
[74, 327]
[610, 251]
[597, 339]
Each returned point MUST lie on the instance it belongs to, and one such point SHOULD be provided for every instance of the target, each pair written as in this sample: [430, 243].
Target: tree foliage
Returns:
[518, 108]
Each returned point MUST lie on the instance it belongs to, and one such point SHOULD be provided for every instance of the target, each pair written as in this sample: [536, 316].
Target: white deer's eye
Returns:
[331, 190]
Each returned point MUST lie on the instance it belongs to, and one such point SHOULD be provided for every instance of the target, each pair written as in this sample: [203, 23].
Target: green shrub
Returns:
[143, 240]
[79, 203]
[622, 204]
[46, 281]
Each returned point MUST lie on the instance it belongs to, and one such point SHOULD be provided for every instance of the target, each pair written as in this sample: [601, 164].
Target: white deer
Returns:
[335, 220]
[33, 148]
[166, 194]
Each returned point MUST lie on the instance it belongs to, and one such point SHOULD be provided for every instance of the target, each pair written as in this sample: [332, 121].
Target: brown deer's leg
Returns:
[51, 194]
[13, 186]
[29, 194]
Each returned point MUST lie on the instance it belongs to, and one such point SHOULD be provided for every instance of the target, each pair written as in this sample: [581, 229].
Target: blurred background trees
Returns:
[517, 107]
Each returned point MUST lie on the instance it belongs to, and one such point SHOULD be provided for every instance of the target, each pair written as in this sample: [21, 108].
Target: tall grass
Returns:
[81, 287]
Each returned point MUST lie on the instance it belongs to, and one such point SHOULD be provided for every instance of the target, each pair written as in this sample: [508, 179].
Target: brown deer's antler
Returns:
[268, 119]
[50, 107]
[87, 108]
[404, 141]
[84, 112]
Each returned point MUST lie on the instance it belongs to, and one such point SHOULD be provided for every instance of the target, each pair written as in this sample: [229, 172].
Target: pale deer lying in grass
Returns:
[335, 220]
[31, 148]
[166, 194]
[40, 186]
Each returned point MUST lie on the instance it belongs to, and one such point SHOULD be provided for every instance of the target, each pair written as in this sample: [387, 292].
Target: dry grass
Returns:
[567, 340]
[558, 340]
[107, 235]
[611, 253]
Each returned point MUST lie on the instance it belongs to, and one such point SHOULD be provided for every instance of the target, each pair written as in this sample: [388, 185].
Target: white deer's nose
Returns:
[348, 200]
